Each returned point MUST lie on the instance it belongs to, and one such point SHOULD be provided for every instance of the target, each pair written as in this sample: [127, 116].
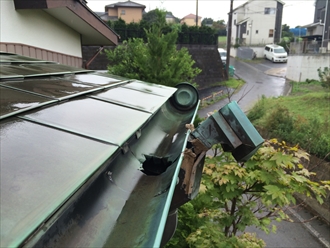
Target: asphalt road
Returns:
[268, 79]
[258, 83]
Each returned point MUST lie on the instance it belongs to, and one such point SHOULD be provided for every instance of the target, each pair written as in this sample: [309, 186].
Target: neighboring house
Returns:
[257, 22]
[170, 18]
[52, 30]
[128, 11]
[319, 30]
[307, 56]
[190, 20]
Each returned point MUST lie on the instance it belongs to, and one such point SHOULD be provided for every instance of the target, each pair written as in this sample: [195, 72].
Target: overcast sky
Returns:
[294, 13]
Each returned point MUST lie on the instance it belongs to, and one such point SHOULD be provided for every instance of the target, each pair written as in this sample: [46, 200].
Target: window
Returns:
[235, 22]
[271, 33]
[257, 31]
[247, 32]
[122, 12]
[270, 11]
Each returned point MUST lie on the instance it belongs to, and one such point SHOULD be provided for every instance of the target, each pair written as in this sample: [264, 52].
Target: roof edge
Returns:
[77, 7]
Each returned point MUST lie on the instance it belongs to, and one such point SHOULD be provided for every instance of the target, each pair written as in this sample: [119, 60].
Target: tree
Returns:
[324, 76]
[157, 61]
[236, 195]
[286, 32]
[207, 21]
[220, 27]
[150, 16]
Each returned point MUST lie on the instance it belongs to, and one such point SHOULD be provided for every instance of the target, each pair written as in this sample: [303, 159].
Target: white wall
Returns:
[302, 67]
[37, 28]
[259, 21]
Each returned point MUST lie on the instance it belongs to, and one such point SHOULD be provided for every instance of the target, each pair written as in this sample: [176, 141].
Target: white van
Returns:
[275, 53]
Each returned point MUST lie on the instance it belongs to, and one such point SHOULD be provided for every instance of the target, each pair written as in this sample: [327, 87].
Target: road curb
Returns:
[310, 229]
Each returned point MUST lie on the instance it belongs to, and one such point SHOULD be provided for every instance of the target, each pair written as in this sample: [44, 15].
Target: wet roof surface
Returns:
[59, 125]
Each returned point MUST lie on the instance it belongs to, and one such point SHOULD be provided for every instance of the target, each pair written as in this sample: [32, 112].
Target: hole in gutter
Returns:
[154, 166]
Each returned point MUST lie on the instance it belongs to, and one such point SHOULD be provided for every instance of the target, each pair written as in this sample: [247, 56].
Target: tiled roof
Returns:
[125, 4]
[191, 16]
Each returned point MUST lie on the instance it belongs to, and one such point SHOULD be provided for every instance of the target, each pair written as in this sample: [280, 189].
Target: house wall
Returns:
[303, 66]
[112, 12]
[191, 22]
[38, 29]
[258, 23]
[315, 30]
[319, 13]
[262, 23]
[131, 14]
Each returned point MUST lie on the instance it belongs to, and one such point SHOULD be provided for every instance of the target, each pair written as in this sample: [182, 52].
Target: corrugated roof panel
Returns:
[132, 98]
[9, 57]
[92, 79]
[54, 87]
[40, 168]
[151, 88]
[14, 101]
[98, 119]
[36, 69]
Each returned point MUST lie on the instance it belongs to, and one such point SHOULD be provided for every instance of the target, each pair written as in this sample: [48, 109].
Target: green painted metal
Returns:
[72, 167]
[43, 168]
[76, 148]
[232, 129]
[160, 230]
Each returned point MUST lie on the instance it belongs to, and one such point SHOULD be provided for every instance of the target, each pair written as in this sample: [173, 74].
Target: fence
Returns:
[314, 47]
[199, 38]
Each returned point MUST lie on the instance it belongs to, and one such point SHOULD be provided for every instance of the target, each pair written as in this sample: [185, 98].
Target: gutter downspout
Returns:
[325, 20]
[94, 56]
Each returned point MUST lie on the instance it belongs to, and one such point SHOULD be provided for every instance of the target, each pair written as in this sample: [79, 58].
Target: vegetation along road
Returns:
[310, 115]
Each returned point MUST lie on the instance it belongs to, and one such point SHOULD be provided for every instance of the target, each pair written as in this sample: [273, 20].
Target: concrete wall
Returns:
[207, 58]
[304, 66]
[258, 50]
[38, 29]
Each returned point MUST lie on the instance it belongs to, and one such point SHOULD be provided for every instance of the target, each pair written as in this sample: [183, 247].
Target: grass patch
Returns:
[222, 39]
[301, 118]
[299, 88]
[234, 83]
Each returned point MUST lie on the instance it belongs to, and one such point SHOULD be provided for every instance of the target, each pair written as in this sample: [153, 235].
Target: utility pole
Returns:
[230, 20]
[196, 13]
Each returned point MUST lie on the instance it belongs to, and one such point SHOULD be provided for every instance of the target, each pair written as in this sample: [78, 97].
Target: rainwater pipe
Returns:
[94, 56]
[325, 20]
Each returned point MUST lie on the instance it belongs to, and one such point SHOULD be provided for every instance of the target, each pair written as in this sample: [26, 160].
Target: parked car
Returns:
[275, 53]
[223, 54]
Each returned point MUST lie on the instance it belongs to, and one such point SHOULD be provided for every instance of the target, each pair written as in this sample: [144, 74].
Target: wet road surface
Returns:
[258, 83]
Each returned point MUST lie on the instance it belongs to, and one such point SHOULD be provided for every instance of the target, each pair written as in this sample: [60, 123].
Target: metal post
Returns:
[196, 13]
[229, 38]
[250, 32]
[325, 20]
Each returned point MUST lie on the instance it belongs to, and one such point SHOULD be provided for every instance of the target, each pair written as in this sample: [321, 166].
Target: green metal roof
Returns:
[73, 144]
